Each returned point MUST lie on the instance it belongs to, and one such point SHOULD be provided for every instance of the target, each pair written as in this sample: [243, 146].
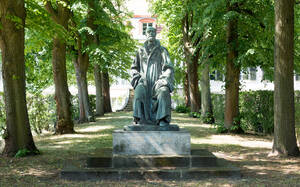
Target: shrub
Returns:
[2, 115]
[257, 111]
[208, 118]
[41, 112]
[218, 102]
[297, 108]
[182, 109]
[75, 105]
[195, 114]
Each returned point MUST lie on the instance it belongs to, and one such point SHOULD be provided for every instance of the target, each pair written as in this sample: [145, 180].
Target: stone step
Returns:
[176, 173]
[103, 165]
[198, 158]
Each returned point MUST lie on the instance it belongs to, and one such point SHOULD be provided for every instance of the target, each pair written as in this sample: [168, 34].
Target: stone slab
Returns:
[198, 158]
[142, 127]
[101, 167]
[150, 173]
[151, 142]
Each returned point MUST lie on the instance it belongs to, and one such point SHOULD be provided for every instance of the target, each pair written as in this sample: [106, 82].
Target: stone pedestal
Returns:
[151, 155]
[151, 142]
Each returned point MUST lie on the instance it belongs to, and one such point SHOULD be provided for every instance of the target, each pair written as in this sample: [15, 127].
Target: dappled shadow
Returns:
[248, 152]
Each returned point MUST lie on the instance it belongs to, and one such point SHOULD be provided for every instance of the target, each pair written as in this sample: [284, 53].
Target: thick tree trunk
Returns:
[81, 67]
[105, 92]
[206, 105]
[284, 107]
[18, 134]
[232, 74]
[186, 90]
[99, 96]
[192, 69]
[191, 57]
[64, 122]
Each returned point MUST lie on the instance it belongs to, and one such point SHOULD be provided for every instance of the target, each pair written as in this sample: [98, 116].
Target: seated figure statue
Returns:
[152, 80]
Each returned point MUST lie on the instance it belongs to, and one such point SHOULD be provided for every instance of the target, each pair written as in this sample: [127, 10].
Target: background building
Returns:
[251, 79]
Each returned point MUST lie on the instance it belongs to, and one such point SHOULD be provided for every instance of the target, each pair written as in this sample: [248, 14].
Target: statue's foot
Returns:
[163, 123]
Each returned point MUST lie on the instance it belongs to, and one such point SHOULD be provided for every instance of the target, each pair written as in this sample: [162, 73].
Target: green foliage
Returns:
[25, 152]
[257, 111]
[195, 114]
[41, 112]
[207, 118]
[22, 153]
[182, 109]
[220, 128]
[2, 116]
[208, 20]
[297, 109]
[218, 102]
[75, 105]
[101, 29]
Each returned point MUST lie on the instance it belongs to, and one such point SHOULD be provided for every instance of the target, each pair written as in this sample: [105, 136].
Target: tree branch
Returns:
[51, 11]
[250, 13]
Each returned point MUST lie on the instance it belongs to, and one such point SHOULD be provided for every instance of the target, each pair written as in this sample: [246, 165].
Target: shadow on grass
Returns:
[246, 151]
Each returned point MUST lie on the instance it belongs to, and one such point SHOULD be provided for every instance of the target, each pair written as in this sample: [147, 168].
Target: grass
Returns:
[248, 152]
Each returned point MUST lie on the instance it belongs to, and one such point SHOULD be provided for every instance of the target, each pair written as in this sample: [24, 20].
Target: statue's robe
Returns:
[152, 102]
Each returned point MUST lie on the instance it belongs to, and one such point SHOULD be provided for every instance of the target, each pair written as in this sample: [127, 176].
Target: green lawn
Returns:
[246, 151]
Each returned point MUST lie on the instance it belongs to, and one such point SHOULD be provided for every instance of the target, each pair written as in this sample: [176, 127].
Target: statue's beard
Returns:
[151, 39]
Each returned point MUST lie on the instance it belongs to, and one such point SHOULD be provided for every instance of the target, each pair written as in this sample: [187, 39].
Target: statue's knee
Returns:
[139, 92]
[164, 92]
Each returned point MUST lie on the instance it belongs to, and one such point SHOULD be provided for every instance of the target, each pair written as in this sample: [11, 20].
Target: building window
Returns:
[145, 26]
[297, 77]
[249, 74]
[216, 75]
[252, 74]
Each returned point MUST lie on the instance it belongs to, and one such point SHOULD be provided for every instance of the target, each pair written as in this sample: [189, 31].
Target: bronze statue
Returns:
[152, 80]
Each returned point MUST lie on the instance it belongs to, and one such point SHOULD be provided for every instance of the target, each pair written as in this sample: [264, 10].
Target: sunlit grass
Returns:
[248, 152]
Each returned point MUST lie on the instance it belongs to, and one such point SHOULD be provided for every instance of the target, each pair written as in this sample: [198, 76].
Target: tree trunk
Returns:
[81, 67]
[99, 96]
[284, 106]
[191, 57]
[192, 69]
[206, 105]
[18, 134]
[64, 122]
[186, 90]
[105, 92]
[232, 74]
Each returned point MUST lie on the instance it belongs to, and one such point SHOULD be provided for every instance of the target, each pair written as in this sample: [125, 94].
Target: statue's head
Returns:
[151, 33]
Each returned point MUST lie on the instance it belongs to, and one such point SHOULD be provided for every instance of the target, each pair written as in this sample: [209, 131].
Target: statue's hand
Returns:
[160, 83]
[142, 81]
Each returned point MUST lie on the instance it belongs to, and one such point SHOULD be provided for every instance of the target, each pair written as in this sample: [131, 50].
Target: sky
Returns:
[138, 7]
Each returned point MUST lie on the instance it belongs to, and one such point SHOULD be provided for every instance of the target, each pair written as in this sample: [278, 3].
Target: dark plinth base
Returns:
[143, 127]
[106, 166]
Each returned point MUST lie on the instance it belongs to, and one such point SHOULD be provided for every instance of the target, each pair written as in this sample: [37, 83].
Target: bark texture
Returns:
[206, 104]
[232, 73]
[18, 134]
[284, 106]
[106, 92]
[64, 122]
[99, 96]
[192, 57]
[186, 90]
[81, 66]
